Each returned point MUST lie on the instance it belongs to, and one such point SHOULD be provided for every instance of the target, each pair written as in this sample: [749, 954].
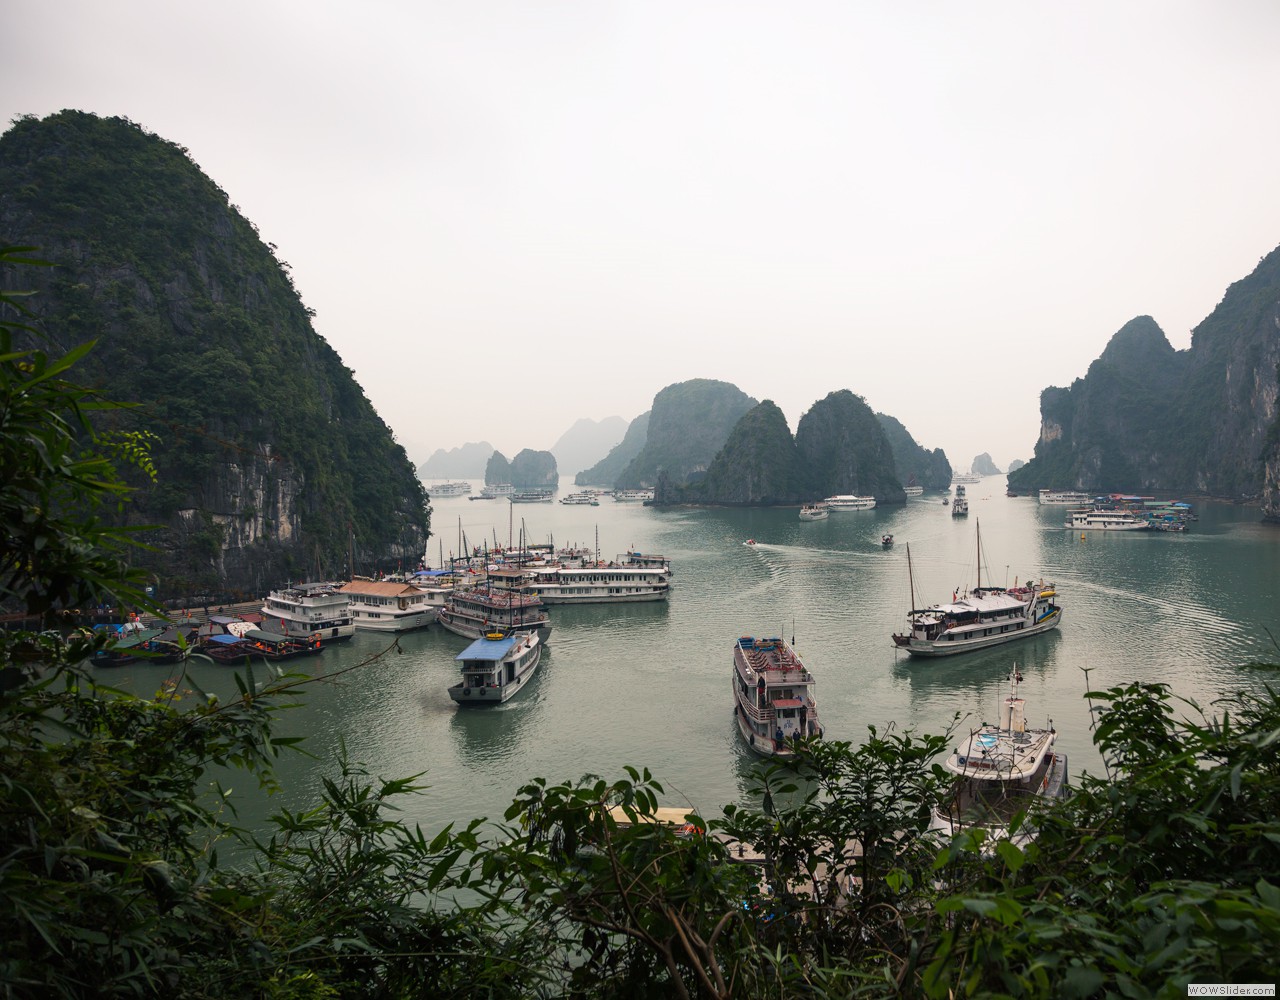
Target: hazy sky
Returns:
[512, 215]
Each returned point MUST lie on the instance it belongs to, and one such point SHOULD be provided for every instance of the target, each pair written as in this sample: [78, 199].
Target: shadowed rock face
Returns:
[1146, 417]
[271, 461]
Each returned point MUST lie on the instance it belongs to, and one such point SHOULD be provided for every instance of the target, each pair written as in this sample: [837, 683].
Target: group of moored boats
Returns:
[1120, 512]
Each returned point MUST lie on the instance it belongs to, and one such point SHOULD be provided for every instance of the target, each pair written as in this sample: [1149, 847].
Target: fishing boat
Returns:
[773, 699]
[1106, 520]
[273, 646]
[495, 667]
[307, 610]
[979, 618]
[124, 648]
[847, 501]
[1001, 771]
[497, 604]
[384, 606]
[814, 512]
[598, 584]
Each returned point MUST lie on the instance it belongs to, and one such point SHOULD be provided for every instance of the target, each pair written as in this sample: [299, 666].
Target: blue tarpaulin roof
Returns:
[226, 640]
[488, 649]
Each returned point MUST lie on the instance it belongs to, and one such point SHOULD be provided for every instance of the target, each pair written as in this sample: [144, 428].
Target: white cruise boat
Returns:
[847, 501]
[966, 477]
[773, 699]
[912, 488]
[309, 610]
[652, 560]
[532, 496]
[1070, 498]
[979, 618]
[1002, 770]
[814, 512]
[496, 605]
[495, 667]
[382, 606]
[583, 499]
[497, 490]
[960, 506]
[632, 496]
[449, 489]
[598, 584]
[1106, 520]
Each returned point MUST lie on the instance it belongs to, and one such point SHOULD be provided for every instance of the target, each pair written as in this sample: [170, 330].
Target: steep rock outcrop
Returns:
[272, 463]
[688, 423]
[982, 465]
[606, 471]
[844, 449]
[758, 465]
[534, 470]
[497, 470]
[1147, 417]
[930, 469]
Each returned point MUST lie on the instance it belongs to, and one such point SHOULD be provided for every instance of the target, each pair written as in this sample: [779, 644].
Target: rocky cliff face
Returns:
[272, 463]
[759, 464]
[587, 442]
[844, 449]
[688, 423]
[929, 468]
[1146, 417]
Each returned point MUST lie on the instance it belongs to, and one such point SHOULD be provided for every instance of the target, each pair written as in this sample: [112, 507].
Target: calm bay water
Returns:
[648, 684]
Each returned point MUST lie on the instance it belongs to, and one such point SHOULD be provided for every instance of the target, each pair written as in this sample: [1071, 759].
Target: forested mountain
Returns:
[1146, 417]
[528, 470]
[759, 464]
[462, 462]
[587, 442]
[688, 423]
[839, 447]
[929, 468]
[272, 464]
[982, 465]
[606, 471]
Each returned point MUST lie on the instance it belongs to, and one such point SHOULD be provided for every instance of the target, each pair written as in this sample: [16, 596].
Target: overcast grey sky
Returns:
[512, 215]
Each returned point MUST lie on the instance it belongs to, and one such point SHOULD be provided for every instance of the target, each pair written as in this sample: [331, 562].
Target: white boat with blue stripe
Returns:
[495, 667]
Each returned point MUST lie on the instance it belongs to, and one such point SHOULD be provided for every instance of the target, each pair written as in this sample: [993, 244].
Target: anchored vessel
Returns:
[1000, 771]
[495, 606]
[598, 584]
[1106, 520]
[772, 696]
[495, 667]
[309, 610]
[814, 512]
[383, 606]
[847, 501]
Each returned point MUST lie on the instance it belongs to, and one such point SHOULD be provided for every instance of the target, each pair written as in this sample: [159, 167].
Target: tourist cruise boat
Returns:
[960, 506]
[773, 699]
[814, 512]
[383, 606]
[493, 490]
[650, 560]
[586, 499]
[532, 496]
[495, 667]
[912, 488]
[1070, 498]
[1106, 520]
[309, 610]
[1000, 772]
[632, 496]
[495, 605]
[598, 584]
[449, 489]
[847, 501]
[966, 477]
[979, 618]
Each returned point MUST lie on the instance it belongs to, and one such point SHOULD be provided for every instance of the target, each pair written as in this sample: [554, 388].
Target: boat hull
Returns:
[470, 628]
[937, 647]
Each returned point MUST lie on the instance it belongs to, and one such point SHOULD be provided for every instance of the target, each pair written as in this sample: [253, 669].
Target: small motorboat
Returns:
[749, 541]
[886, 540]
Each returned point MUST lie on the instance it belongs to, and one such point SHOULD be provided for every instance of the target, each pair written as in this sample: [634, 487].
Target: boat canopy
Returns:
[225, 639]
[488, 649]
[275, 638]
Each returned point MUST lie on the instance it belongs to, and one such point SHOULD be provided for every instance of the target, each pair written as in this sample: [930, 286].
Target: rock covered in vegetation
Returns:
[272, 462]
[930, 469]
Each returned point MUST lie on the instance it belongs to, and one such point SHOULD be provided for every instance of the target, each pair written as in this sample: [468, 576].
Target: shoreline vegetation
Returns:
[124, 876]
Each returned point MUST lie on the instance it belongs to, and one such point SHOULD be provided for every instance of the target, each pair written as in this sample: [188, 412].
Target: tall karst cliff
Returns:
[688, 423]
[930, 469]
[844, 450]
[839, 447]
[272, 462]
[606, 471]
[1147, 417]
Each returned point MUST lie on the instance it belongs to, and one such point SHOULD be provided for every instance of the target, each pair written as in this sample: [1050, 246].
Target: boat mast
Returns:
[911, 579]
[978, 526]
